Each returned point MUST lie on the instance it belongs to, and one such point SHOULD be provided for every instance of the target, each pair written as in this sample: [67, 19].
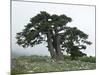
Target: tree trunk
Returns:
[58, 49]
[50, 46]
[56, 45]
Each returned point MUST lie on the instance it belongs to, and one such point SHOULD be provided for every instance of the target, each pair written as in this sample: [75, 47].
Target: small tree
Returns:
[74, 41]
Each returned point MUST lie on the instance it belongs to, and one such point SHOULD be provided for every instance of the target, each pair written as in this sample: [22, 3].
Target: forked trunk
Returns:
[56, 45]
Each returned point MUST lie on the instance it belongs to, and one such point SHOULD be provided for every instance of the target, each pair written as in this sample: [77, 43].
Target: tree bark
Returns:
[50, 46]
[56, 45]
[58, 49]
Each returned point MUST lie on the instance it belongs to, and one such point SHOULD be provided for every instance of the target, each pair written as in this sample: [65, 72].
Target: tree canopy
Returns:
[74, 40]
[53, 29]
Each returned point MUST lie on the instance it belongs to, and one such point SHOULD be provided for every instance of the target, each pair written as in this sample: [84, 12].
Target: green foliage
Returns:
[38, 26]
[73, 41]
[67, 57]
[88, 59]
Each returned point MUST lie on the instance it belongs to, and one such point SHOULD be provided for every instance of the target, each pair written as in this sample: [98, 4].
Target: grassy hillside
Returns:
[37, 64]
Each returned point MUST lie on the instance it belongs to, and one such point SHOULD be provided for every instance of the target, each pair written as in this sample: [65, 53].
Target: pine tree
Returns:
[43, 26]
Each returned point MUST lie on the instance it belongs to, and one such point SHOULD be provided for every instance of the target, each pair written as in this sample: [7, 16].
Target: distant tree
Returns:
[44, 27]
[74, 41]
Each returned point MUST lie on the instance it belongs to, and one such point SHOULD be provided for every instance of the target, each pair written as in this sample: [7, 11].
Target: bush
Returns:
[67, 57]
[88, 59]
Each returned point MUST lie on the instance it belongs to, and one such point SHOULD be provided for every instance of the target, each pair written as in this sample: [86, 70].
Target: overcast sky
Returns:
[83, 17]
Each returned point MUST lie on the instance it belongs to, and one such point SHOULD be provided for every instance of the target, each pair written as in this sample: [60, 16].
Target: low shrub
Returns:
[88, 59]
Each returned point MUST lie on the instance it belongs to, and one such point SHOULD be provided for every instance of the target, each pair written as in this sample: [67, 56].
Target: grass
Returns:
[88, 59]
[37, 64]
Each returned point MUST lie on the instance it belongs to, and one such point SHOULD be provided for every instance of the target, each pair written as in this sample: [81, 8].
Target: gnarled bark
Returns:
[58, 49]
[56, 45]
[50, 46]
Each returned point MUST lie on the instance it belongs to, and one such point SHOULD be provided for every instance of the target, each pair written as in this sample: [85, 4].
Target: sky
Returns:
[83, 17]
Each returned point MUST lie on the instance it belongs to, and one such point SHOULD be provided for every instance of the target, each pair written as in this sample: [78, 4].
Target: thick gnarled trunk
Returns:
[58, 49]
[56, 45]
[50, 46]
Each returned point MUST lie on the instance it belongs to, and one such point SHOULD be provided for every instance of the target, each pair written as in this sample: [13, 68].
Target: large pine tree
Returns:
[51, 29]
